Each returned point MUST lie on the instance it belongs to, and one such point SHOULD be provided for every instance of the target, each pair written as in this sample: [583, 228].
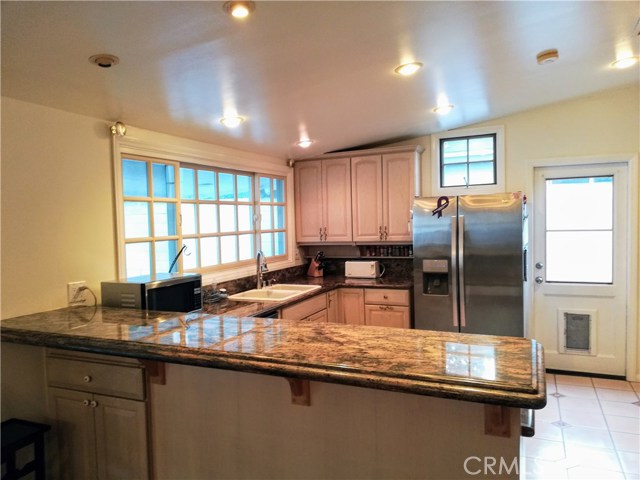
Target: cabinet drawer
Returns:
[386, 296]
[116, 380]
[306, 308]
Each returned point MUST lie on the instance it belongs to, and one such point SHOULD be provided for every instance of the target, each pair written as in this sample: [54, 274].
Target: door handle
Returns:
[454, 262]
[463, 316]
[539, 280]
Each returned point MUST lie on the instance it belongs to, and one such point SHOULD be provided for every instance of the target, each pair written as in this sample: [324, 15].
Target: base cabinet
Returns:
[351, 306]
[98, 436]
[387, 308]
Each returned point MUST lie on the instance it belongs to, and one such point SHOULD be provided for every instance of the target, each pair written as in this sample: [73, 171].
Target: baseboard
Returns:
[586, 374]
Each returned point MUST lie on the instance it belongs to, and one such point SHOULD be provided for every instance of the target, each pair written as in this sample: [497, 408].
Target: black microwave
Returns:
[173, 292]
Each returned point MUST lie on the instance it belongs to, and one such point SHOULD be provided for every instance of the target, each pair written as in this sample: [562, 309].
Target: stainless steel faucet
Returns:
[261, 267]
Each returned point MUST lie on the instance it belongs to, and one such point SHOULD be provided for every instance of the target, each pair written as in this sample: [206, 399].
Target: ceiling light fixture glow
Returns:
[304, 143]
[443, 109]
[625, 62]
[407, 69]
[231, 122]
[239, 9]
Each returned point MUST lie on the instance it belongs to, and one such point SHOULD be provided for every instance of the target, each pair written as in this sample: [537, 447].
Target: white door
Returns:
[580, 267]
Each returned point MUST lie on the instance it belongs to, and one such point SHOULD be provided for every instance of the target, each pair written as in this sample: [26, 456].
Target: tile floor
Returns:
[590, 429]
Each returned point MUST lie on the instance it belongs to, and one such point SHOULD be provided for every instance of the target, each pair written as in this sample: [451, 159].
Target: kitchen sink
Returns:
[275, 293]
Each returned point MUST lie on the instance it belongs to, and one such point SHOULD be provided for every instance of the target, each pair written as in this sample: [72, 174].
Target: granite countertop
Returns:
[327, 283]
[479, 368]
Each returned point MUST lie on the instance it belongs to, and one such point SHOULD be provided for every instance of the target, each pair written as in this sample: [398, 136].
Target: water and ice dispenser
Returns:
[435, 277]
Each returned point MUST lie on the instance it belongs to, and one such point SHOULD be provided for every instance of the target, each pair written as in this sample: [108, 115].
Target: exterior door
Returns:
[580, 267]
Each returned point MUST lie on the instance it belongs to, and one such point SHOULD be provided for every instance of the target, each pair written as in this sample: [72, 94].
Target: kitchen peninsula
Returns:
[432, 399]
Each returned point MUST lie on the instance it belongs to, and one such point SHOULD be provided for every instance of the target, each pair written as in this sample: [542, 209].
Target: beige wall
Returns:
[58, 216]
[57, 208]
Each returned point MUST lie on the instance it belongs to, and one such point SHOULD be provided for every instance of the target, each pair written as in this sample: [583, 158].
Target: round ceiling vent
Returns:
[104, 60]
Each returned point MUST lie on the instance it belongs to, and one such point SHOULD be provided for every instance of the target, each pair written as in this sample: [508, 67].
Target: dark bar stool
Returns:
[17, 434]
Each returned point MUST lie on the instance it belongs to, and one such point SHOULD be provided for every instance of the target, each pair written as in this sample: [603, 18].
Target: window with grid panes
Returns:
[222, 217]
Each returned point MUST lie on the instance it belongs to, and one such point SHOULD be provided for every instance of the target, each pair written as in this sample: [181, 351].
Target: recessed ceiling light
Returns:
[104, 60]
[443, 109]
[547, 56]
[625, 62]
[407, 69]
[231, 122]
[304, 143]
[239, 9]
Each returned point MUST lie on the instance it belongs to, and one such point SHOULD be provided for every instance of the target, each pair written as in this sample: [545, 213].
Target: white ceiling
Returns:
[321, 68]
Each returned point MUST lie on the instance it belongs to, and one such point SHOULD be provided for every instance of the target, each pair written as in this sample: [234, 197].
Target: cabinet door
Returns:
[398, 184]
[75, 433]
[332, 306]
[308, 197]
[366, 196]
[352, 306]
[121, 438]
[387, 316]
[336, 188]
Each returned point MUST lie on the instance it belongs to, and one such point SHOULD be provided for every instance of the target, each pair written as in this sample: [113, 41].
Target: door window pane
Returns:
[229, 248]
[208, 218]
[188, 212]
[206, 185]
[138, 259]
[164, 219]
[187, 184]
[227, 187]
[579, 230]
[580, 203]
[136, 219]
[164, 182]
[580, 257]
[134, 178]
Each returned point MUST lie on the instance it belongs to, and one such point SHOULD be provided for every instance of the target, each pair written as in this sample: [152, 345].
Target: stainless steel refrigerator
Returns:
[470, 263]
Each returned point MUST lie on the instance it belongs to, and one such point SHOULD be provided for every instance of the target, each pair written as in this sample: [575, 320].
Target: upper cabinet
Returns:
[383, 188]
[356, 197]
[322, 192]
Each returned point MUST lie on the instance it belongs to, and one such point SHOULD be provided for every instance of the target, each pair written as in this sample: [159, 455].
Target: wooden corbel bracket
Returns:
[300, 391]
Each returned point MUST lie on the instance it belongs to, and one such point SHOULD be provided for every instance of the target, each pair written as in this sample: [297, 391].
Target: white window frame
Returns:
[152, 145]
[498, 187]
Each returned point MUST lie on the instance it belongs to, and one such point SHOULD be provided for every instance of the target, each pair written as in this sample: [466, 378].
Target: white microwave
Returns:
[362, 269]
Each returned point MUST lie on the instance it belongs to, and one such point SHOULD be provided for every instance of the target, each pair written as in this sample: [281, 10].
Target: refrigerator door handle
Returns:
[453, 269]
[463, 319]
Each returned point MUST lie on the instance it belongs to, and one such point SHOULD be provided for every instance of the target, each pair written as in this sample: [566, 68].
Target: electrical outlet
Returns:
[75, 293]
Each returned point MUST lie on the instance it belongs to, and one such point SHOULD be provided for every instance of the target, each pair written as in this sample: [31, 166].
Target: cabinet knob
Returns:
[86, 379]
[85, 403]
[93, 404]
[385, 297]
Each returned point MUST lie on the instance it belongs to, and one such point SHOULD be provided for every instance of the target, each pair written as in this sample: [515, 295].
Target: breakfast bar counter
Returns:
[480, 368]
[358, 401]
